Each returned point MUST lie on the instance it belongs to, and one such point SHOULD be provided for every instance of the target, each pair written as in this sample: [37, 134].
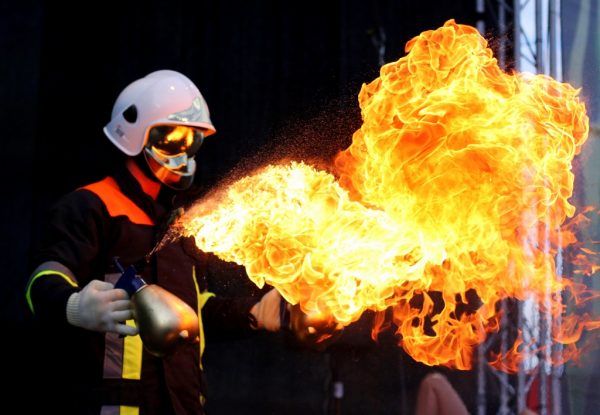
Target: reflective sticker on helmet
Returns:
[197, 112]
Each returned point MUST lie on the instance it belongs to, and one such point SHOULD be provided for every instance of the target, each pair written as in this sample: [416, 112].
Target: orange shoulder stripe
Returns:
[117, 203]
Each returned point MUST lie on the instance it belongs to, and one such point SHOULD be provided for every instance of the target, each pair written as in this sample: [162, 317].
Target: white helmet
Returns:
[154, 113]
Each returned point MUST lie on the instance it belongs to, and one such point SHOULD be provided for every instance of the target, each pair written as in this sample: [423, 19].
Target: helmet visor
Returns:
[175, 140]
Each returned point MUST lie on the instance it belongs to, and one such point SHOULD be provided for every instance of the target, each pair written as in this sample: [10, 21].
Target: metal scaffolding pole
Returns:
[530, 29]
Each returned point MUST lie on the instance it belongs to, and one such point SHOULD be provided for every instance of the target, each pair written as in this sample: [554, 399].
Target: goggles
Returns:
[170, 151]
[174, 140]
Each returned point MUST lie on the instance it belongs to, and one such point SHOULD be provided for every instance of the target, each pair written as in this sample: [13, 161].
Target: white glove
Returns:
[99, 306]
[268, 311]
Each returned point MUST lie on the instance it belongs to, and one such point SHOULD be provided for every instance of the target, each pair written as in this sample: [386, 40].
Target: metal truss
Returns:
[526, 39]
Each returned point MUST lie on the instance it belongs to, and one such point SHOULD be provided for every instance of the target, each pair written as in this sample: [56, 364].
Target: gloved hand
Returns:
[312, 330]
[267, 311]
[99, 306]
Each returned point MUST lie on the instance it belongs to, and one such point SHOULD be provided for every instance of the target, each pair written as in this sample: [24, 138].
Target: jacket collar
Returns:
[138, 187]
[149, 186]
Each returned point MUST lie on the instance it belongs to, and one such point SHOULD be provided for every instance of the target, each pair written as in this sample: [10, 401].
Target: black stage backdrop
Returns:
[281, 79]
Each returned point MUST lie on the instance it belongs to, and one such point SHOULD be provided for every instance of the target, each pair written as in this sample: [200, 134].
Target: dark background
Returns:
[280, 79]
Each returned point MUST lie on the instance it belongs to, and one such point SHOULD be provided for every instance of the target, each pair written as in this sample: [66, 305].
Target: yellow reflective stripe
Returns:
[41, 274]
[202, 298]
[132, 357]
[129, 410]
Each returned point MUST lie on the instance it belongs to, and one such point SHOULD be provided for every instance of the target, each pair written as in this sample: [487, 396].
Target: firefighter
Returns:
[159, 122]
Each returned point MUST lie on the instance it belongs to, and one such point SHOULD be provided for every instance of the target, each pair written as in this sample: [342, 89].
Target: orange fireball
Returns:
[457, 183]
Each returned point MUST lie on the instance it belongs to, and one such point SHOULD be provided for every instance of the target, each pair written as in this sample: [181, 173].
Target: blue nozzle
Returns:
[128, 281]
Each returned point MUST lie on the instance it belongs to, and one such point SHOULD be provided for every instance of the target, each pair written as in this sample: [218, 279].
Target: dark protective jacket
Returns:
[105, 373]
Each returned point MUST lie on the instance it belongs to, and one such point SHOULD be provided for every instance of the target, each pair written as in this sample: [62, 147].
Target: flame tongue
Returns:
[295, 228]
[454, 184]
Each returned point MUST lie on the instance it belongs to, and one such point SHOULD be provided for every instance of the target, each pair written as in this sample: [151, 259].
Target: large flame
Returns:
[453, 192]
